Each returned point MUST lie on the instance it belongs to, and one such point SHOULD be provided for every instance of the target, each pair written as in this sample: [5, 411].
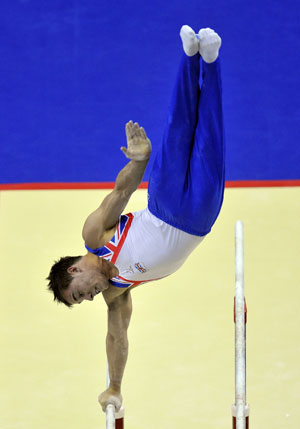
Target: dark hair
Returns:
[60, 279]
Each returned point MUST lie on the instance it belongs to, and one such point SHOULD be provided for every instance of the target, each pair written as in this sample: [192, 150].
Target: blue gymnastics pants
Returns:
[186, 185]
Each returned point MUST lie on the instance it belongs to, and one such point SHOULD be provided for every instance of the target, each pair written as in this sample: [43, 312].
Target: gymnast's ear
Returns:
[73, 269]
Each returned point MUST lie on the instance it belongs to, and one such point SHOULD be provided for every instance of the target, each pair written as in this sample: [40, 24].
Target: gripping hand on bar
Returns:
[110, 396]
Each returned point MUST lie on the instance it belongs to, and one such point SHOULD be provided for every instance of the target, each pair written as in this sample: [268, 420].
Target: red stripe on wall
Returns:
[261, 183]
[143, 185]
[61, 185]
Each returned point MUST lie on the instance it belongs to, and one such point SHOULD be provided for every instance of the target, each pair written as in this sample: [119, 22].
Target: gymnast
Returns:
[185, 195]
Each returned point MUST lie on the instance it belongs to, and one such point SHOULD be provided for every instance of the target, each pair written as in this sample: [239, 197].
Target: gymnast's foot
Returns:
[189, 40]
[210, 43]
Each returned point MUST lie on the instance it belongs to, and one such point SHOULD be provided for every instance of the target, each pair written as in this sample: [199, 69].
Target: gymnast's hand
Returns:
[138, 144]
[110, 396]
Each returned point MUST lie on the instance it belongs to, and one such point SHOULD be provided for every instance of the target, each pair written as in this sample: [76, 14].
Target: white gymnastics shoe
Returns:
[189, 40]
[210, 43]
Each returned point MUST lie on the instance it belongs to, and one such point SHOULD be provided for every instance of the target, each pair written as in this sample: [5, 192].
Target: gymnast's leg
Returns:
[170, 169]
[207, 163]
[186, 185]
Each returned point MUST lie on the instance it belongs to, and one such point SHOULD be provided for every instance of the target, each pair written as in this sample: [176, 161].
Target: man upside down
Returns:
[185, 196]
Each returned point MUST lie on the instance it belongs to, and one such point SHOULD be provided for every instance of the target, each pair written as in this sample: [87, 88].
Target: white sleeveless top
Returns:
[144, 248]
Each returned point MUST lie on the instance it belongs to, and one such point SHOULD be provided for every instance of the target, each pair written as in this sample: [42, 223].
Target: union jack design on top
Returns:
[140, 267]
[112, 249]
[122, 282]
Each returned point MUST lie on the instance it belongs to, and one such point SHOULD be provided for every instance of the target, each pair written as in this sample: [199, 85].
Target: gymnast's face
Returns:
[89, 280]
[85, 286]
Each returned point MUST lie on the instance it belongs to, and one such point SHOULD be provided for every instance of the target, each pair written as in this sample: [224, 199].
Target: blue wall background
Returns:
[73, 72]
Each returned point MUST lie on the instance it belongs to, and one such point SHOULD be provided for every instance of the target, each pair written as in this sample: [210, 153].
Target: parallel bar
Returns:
[110, 417]
[240, 329]
[247, 412]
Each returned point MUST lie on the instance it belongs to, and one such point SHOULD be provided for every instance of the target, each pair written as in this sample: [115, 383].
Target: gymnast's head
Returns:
[73, 279]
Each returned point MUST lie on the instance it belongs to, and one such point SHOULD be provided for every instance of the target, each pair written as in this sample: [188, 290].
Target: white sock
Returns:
[210, 43]
[189, 40]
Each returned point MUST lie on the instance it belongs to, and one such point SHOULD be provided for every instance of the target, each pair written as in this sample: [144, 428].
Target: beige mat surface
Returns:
[180, 371]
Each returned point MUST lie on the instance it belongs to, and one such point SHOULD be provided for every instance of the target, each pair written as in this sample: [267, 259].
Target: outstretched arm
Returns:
[107, 215]
[119, 313]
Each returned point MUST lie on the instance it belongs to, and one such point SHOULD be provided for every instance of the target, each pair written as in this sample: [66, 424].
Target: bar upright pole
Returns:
[240, 409]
